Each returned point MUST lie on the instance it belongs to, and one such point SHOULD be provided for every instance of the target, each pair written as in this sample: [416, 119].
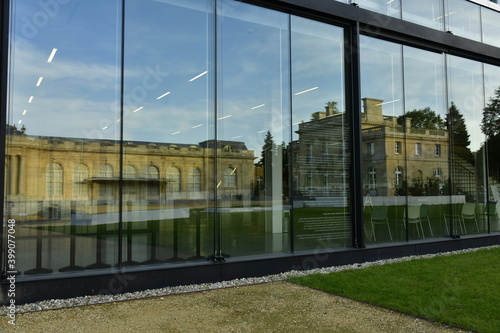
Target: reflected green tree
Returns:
[423, 118]
[459, 135]
[490, 126]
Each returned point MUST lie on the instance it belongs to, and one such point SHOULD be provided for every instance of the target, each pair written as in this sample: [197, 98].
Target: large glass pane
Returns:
[167, 122]
[427, 170]
[320, 151]
[468, 177]
[490, 127]
[252, 130]
[383, 140]
[62, 161]
[387, 7]
[463, 18]
[490, 26]
[425, 12]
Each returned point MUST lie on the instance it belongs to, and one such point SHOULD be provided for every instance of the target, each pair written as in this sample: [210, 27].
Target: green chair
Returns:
[413, 217]
[469, 213]
[379, 216]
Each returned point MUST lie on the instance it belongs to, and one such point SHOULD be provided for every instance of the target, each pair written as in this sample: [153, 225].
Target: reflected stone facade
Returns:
[47, 177]
[398, 156]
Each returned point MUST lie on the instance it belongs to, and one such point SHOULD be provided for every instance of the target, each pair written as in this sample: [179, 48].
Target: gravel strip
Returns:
[99, 299]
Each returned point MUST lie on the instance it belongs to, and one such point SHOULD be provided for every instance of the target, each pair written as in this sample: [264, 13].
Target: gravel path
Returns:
[269, 307]
[255, 304]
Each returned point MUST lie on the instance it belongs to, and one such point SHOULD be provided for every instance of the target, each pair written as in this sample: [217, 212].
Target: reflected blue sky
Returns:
[79, 88]
[169, 72]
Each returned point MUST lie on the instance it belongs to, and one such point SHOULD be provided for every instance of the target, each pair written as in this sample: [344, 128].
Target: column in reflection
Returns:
[468, 185]
[168, 128]
[490, 128]
[63, 94]
[384, 145]
[252, 130]
[425, 118]
[320, 148]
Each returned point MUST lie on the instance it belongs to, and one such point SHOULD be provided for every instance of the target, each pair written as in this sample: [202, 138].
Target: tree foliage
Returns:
[457, 127]
[268, 149]
[423, 118]
[490, 124]
[333, 105]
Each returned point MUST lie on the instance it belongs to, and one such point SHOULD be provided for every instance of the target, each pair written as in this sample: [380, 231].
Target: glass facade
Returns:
[155, 132]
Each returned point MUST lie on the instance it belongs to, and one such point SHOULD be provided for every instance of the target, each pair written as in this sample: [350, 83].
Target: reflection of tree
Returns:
[490, 126]
[270, 155]
[423, 118]
[432, 186]
[491, 116]
[458, 133]
[332, 107]
[268, 150]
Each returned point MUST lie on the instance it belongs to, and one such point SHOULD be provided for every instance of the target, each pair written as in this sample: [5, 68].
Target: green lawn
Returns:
[461, 290]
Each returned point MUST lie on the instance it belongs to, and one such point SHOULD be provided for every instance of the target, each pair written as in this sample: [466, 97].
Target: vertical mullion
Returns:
[121, 157]
[290, 145]
[216, 217]
[4, 49]
[353, 82]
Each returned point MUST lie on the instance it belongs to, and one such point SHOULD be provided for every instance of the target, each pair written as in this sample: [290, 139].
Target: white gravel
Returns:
[98, 299]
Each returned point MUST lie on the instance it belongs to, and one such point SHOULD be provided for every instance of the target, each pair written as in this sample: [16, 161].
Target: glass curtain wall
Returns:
[428, 13]
[168, 129]
[463, 18]
[253, 132]
[490, 26]
[427, 142]
[320, 150]
[384, 148]
[387, 7]
[491, 129]
[62, 149]
[467, 158]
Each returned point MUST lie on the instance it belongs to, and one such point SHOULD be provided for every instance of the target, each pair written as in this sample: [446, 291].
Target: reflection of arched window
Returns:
[129, 171]
[106, 171]
[230, 177]
[173, 180]
[152, 172]
[80, 174]
[194, 180]
[54, 179]
[399, 176]
[372, 178]
[228, 148]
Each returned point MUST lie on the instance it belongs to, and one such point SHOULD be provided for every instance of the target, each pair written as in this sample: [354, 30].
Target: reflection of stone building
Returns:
[321, 156]
[401, 159]
[396, 159]
[47, 176]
